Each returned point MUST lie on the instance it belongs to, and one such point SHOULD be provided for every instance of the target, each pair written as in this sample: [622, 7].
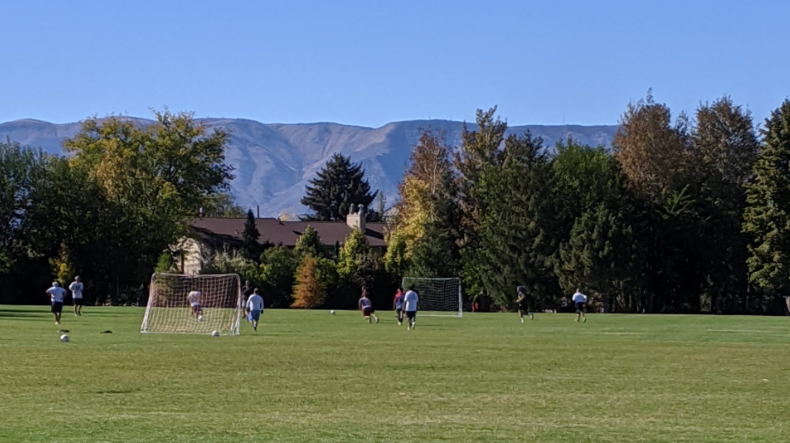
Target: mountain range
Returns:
[274, 162]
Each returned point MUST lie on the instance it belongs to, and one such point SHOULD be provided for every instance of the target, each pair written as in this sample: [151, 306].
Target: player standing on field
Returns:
[410, 303]
[398, 305]
[523, 303]
[194, 303]
[254, 308]
[76, 287]
[366, 306]
[580, 300]
[56, 294]
[247, 291]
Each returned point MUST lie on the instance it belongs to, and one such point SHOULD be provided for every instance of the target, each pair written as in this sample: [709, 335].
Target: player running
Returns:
[194, 303]
[523, 303]
[254, 309]
[76, 287]
[398, 305]
[580, 300]
[410, 304]
[56, 294]
[366, 306]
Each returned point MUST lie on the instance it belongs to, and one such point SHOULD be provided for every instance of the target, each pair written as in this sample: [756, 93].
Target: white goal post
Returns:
[438, 297]
[168, 310]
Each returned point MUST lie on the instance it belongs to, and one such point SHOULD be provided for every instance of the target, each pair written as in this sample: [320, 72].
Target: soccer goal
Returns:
[439, 297]
[169, 311]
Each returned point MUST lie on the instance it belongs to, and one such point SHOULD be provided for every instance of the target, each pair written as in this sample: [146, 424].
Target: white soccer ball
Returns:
[332, 312]
[215, 334]
[200, 318]
[64, 338]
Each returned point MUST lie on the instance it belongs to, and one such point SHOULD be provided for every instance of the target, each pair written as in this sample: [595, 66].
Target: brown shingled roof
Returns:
[274, 231]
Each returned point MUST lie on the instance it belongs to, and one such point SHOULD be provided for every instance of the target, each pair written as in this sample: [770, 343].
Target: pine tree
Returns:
[251, 236]
[479, 150]
[767, 214]
[516, 239]
[309, 291]
[339, 185]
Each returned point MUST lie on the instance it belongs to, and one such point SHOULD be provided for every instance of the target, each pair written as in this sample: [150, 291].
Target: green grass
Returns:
[309, 377]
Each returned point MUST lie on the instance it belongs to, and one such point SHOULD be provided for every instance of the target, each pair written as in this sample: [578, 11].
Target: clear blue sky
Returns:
[370, 62]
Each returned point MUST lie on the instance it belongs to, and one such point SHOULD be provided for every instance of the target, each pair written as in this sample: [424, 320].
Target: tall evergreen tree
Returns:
[480, 149]
[517, 240]
[725, 145]
[338, 185]
[251, 235]
[309, 290]
[767, 216]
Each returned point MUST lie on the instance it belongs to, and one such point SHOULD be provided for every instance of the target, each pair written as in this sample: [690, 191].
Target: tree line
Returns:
[680, 214]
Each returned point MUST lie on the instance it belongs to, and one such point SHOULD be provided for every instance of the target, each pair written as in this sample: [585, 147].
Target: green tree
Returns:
[725, 145]
[165, 263]
[222, 205]
[309, 291]
[309, 243]
[338, 186]
[480, 150]
[276, 275]
[395, 261]
[427, 211]
[251, 236]
[152, 181]
[517, 241]
[352, 254]
[767, 214]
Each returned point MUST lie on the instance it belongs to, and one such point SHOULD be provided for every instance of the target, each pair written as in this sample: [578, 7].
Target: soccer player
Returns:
[523, 303]
[56, 294]
[76, 287]
[194, 303]
[580, 300]
[410, 303]
[398, 305]
[254, 308]
[366, 306]
[247, 290]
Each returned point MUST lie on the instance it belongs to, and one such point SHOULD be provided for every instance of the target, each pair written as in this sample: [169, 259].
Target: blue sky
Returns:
[371, 62]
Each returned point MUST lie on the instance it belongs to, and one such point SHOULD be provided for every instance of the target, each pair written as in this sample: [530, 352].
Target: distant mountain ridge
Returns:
[273, 162]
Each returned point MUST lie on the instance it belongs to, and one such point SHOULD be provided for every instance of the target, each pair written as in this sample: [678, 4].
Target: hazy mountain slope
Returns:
[273, 162]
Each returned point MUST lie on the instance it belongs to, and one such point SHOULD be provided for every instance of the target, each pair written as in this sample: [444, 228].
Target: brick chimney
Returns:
[356, 218]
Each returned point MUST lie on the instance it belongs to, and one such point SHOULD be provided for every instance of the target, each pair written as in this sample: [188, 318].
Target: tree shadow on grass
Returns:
[22, 313]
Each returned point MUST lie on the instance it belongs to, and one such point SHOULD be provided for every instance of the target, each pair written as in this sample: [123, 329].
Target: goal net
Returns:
[440, 297]
[169, 311]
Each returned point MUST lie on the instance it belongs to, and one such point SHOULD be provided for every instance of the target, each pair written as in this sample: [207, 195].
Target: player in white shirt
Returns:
[56, 294]
[76, 287]
[410, 302]
[580, 301]
[254, 308]
[194, 303]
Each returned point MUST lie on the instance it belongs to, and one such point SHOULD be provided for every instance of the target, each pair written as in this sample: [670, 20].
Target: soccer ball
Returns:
[215, 334]
[200, 318]
[64, 338]
[332, 312]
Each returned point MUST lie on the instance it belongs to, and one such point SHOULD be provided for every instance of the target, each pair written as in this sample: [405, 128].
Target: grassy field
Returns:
[309, 377]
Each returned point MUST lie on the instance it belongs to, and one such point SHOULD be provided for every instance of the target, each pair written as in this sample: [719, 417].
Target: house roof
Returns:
[229, 231]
